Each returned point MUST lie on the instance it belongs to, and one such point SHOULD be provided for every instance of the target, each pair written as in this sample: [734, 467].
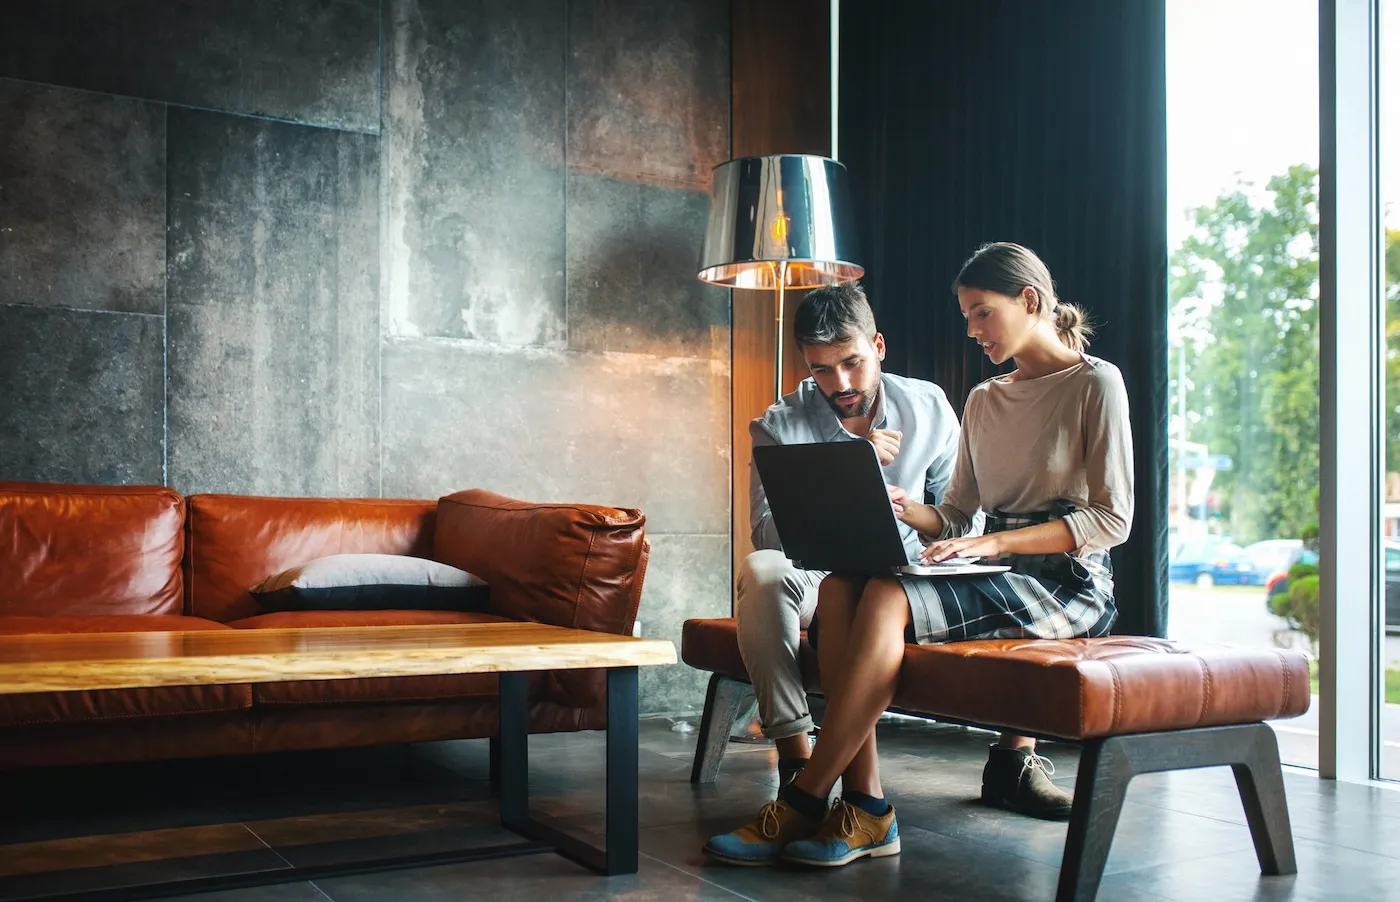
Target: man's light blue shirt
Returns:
[927, 448]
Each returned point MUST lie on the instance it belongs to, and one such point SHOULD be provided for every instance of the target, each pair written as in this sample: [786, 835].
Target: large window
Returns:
[1389, 619]
[1243, 156]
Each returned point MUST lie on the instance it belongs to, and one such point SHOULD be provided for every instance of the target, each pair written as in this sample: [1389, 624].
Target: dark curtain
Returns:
[1036, 121]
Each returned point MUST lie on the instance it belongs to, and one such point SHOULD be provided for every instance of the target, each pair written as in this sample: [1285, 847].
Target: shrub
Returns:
[1299, 605]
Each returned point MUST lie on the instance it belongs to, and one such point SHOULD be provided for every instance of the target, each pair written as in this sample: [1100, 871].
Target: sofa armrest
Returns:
[574, 565]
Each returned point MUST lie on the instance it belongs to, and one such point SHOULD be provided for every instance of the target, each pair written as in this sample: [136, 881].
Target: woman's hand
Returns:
[967, 546]
[919, 517]
[1043, 538]
[899, 500]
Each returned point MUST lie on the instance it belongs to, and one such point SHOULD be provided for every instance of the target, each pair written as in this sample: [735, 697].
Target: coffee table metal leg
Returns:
[619, 854]
[622, 810]
[513, 744]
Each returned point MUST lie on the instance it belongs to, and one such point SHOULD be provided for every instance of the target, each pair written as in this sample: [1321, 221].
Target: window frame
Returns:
[1351, 337]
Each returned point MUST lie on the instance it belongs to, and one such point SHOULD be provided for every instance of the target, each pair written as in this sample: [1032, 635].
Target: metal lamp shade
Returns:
[779, 221]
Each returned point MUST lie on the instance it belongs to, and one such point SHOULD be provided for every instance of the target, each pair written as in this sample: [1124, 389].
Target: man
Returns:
[847, 398]
[915, 432]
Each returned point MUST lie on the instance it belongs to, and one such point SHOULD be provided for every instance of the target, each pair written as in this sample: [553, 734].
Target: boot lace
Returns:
[1035, 762]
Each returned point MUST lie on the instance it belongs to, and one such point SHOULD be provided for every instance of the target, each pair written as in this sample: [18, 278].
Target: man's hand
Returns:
[886, 442]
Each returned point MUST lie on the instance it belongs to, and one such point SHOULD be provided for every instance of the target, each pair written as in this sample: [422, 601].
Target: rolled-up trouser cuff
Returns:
[797, 727]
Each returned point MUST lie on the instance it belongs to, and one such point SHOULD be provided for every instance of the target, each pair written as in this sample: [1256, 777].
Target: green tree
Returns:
[1244, 298]
[1392, 350]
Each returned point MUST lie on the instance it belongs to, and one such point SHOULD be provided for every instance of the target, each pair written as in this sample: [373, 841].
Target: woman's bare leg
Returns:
[837, 606]
[872, 653]
[837, 599]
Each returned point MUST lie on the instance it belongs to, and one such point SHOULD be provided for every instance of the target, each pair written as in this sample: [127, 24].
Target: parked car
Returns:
[1213, 560]
[1273, 555]
[1277, 583]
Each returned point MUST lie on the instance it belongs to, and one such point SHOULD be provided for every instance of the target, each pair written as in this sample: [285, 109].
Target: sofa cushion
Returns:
[373, 689]
[109, 704]
[301, 619]
[574, 565]
[370, 582]
[76, 549]
[1088, 688]
[236, 541]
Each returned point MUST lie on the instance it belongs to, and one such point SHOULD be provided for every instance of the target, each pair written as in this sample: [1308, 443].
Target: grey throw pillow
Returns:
[371, 582]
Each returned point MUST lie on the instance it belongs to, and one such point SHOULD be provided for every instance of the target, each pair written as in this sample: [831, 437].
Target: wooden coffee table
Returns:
[88, 661]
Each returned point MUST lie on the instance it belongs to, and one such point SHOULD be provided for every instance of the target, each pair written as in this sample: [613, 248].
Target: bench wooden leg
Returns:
[1107, 766]
[1260, 781]
[723, 701]
[1104, 772]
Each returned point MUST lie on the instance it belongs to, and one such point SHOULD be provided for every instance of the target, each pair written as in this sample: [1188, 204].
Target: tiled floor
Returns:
[1182, 836]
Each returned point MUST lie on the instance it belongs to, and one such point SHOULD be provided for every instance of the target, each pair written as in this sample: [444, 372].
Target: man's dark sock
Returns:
[789, 768]
[867, 803]
[804, 803]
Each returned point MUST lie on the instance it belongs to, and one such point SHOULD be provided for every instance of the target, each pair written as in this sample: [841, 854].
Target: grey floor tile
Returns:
[137, 873]
[1326, 873]
[673, 801]
[526, 879]
[281, 892]
[1365, 818]
[1145, 836]
[930, 866]
[328, 839]
[57, 803]
[306, 784]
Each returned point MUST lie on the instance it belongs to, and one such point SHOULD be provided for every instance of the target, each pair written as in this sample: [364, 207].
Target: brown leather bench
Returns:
[1135, 705]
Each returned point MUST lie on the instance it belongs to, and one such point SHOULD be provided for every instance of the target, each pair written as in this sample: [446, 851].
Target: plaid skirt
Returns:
[1043, 596]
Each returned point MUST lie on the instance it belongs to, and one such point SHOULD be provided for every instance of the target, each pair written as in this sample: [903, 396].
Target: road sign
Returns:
[1206, 462]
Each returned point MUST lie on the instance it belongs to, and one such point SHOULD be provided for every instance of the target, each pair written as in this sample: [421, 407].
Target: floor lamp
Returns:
[779, 222]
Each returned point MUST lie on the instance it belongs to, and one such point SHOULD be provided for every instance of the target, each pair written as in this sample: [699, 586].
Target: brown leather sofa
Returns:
[79, 558]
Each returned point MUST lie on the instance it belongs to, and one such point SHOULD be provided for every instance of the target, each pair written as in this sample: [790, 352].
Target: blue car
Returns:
[1214, 561]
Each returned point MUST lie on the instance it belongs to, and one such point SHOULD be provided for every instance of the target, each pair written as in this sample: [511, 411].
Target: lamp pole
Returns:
[780, 269]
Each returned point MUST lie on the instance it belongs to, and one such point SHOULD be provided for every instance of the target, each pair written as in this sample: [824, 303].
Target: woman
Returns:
[1047, 451]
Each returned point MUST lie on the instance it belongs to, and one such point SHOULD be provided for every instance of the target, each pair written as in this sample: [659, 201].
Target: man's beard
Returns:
[867, 400]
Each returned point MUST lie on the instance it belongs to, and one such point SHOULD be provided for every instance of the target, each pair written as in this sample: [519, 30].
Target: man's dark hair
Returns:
[833, 314]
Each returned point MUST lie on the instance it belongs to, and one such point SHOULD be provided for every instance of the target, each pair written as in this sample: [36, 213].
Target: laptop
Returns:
[833, 512]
